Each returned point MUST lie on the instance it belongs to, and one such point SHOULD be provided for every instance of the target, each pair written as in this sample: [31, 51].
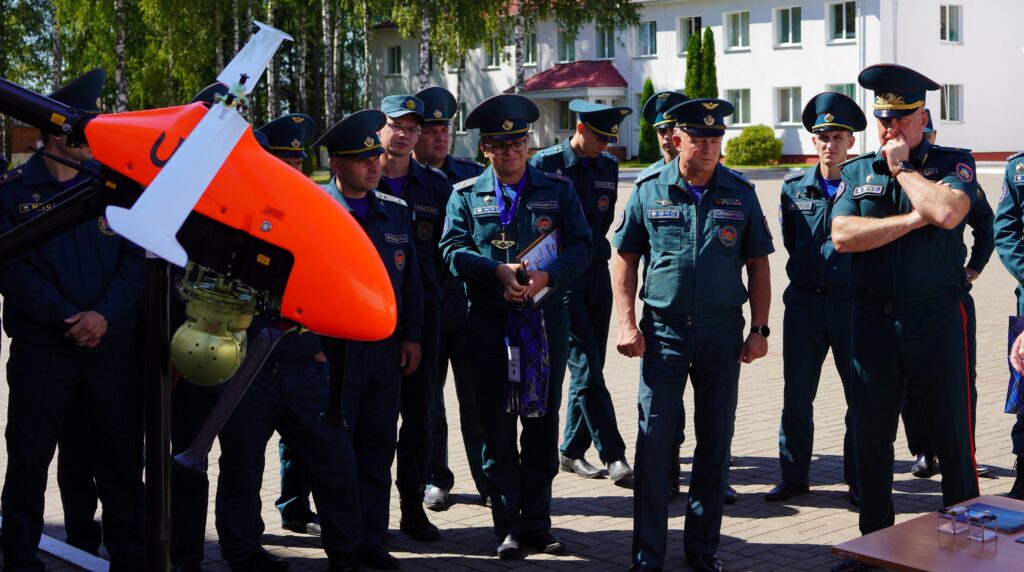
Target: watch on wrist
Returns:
[904, 167]
[763, 331]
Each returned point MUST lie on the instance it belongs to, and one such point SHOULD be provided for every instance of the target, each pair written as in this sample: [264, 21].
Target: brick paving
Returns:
[594, 517]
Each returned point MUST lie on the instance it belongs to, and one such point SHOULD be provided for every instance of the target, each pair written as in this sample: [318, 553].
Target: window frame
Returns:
[841, 88]
[777, 25]
[567, 118]
[652, 32]
[795, 106]
[944, 115]
[530, 48]
[389, 59]
[740, 108]
[492, 53]
[683, 45]
[944, 10]
[830, 25]
[460, 117]
[609, 38]
[566, 46]
[728, 28]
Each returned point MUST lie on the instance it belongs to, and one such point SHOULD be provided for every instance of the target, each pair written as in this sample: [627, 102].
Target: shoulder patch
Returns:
[467, 161]
[390, 199]
[558, 177]
[465, 184]
[11, 176]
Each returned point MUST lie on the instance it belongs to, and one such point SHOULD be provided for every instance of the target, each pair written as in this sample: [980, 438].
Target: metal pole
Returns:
[157, 389]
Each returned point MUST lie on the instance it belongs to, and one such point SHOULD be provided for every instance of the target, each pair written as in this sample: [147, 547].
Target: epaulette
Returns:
[943, 149]
[608, 155]
[793, 176]
[468, 161]
[734, 171]
[1015, 156]
[390, 198]
[867, 155]
[465, 184]
[436, 171]
[548, 151]
[10, 176]
[558, 177]
[739, 177]
[652, 175]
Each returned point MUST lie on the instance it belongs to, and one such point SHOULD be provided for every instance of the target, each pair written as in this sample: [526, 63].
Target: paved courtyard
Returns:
[594, 517]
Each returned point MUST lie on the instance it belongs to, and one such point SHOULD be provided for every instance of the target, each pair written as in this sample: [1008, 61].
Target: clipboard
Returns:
[542, 253]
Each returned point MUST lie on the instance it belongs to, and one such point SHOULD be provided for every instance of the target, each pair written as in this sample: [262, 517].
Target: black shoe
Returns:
[579, 466]
[509, 548]
[414, 520]
[619, 470]
[342, 564]
[785, 491]
[674, 475]
[926, 467]
[1017, 490]
[262, 561]
[309, 526]
[705, 562]
[847, 566]
[543, 541]
[854, 496]
[731, 496]
[378, 559]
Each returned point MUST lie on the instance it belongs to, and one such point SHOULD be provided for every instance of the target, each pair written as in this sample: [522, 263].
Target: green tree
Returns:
[649, 149]
[709, 73]
[694, 62]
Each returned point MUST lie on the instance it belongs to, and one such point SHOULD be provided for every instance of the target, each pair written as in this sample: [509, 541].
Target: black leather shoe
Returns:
[1017, 490]
[579, 466]
[309, 526]
[378, 559]
[847, 566]
[414, 521]
[674, 475]
[785, 491]
[262, 561]
[343, 564]
[619, 470]
[705, 563]
[854, 496]
[926, 467]
[509, 548]
[731, 496]
[543, 541]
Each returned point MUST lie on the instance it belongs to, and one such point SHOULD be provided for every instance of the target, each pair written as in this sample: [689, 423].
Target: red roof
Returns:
[576, 75]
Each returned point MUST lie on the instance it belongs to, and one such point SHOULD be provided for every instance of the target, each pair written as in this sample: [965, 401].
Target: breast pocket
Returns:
[395, 256]
[727, 228]
[666, 227]
[425, 225]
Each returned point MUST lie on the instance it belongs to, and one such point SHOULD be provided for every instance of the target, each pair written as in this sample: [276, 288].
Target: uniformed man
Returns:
[654, 112]
[1009, 237]
[594, 172]
[693, 293]
[817, 315]
[898, 211]
[373, 370]
[432, 149]
[426, 191]
[490, 219]
[980, 220]
[70, 309]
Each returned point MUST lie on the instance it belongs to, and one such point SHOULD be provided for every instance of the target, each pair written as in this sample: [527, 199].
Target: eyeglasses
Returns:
[503, 148]
[406, 129]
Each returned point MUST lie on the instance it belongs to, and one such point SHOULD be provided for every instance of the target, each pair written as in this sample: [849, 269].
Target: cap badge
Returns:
[709, 105]
[665, 95]
[36, 197]
[1020, 167]
[829, 118]
[298, 118]
[296, 143]
[410, 104]
[615, 128]
[709, 120]
[623, 112]
[368, 141]
[889, 99]
[437, 113]
[507, 125]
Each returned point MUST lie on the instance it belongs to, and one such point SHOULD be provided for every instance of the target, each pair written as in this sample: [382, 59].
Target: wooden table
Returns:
[916, 545]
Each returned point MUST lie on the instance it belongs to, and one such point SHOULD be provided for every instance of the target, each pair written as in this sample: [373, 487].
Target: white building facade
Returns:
[771, 57]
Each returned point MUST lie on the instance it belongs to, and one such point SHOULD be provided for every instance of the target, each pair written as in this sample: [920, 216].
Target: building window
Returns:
[394, 60]
[566, 117]
[737, 30]
[566, 47]
[847, 89]
[740, 100]
[843, 17]
[530, 48]
[949, 23]
[460, 118]
[787, 26]
[952, 103]
[492, 53]
[789, 105]
[605, 43]
[686, 27]
[647, 39]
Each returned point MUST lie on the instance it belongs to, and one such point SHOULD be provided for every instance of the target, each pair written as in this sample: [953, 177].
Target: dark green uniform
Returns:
[1009, 236]
[519, 480]
[693, 294]
[589, 413]
[908, 331]
[817, 318]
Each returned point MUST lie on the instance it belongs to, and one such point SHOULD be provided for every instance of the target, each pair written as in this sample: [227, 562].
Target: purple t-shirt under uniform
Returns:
[359, 206]
[396, 185]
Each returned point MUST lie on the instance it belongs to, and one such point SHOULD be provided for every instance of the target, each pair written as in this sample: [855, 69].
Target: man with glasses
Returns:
[432, 149]
[426, 191]
[696, 224]
[589, 413]
[489, 220]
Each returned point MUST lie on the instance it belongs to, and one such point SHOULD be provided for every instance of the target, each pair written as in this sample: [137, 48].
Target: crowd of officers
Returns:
[876, 271]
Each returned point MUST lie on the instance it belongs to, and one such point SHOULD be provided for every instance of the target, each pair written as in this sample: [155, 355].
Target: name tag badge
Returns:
[542, 205]
[868, 190]
[514, 375]
[396, 238]
[604, 185]
[1017, 179]
[724, 214]
[805, 206]
[485, 211]
[656, 214]
[427, 209]
[728, 203]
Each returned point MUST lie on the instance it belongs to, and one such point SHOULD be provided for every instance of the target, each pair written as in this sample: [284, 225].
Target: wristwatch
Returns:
[764, 331]
[904, 167]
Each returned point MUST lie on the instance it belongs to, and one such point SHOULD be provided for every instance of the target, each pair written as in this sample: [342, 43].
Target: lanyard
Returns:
[506, 216]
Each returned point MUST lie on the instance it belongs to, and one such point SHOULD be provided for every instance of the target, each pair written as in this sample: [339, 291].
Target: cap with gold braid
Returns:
[288, 135]
[504, 116]
[702, 117]
[355, 135]
[899, 90]
[656, 106]
[601, 119]
[438, 105]
[831, 111]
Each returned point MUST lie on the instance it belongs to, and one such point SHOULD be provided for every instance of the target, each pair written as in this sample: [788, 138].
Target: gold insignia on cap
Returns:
[615, 128]
[665, 95]
[368, 141]
[829, 118]
[296, 143]
[889, 99]
[709, 120]
[624, 112]
[410, 104]
[709, 105]
[298, 118]
[507, 125]
[437, 113]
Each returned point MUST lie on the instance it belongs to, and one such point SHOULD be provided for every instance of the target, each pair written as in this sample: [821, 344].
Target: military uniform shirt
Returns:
[1009, 219]
[980, 219]
[925, 265]
[694, 252]
[655, 166]
[805, 213]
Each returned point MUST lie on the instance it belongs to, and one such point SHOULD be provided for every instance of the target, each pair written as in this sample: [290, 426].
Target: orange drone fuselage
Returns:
[337, 285]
